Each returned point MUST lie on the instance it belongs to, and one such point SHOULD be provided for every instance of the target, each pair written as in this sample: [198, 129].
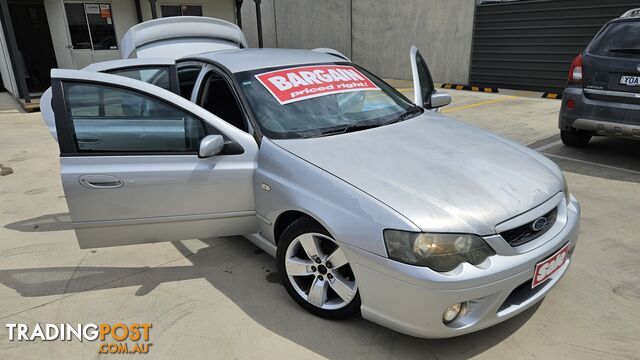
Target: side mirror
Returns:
[439, 100]
[211, 145]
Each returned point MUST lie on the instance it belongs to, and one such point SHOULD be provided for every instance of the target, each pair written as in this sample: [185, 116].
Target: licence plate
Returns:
[549, 266]
[630, 80]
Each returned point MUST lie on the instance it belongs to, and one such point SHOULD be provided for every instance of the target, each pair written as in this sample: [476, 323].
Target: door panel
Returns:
[132, 179]
[423, 86]
[163, 198]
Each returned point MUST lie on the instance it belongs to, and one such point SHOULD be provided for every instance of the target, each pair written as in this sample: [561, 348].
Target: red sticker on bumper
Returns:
[306, 82]
[546, 268]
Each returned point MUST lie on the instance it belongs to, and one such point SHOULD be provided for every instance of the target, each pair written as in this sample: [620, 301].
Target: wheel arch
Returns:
[287, 218]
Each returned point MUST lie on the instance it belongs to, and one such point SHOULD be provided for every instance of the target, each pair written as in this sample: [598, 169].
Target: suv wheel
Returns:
[575, 138]
[315, 271]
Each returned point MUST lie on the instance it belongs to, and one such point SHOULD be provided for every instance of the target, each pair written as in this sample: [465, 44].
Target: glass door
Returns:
[92, 36]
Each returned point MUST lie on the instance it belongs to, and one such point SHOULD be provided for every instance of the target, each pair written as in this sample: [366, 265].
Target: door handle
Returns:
[100, 181]
[88, 138]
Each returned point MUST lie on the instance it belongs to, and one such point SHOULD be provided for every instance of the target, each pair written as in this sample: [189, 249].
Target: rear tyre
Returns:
[575, 138]
[315, 271]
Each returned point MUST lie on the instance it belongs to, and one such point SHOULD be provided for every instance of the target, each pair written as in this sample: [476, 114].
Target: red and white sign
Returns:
[306, 82]
[546, 268]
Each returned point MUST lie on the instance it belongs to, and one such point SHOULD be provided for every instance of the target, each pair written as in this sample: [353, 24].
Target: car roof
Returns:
[251, 58]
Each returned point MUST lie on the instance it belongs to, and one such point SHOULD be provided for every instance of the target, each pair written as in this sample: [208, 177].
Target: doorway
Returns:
[35, 48]
[91, 32]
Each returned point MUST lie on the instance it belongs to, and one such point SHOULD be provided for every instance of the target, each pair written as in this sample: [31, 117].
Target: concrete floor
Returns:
[220, 298]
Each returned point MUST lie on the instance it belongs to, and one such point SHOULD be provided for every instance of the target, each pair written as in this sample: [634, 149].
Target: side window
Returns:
[157, 76]
[110, 119]
[91, 26]
[187, 76]
[217, 98]
[426, 83]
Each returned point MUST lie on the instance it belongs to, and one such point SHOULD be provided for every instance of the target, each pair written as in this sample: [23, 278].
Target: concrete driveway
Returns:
[220, 298]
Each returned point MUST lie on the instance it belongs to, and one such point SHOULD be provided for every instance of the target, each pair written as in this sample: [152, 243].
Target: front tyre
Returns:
[315, 271]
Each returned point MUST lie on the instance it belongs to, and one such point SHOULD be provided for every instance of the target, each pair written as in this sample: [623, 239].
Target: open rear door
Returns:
[158, 72]
[424, 91]
[180, 36]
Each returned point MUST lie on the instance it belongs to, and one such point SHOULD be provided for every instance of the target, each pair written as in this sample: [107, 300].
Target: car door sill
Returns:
[263, 243]
[162, 219]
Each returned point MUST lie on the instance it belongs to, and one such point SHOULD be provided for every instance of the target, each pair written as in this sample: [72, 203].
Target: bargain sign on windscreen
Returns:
[305, 82]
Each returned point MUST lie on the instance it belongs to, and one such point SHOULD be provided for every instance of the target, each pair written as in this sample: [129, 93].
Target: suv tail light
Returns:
[575, 71]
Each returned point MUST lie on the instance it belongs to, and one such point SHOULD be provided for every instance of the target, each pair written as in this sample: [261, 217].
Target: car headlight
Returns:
[440, 252]
[565, 190]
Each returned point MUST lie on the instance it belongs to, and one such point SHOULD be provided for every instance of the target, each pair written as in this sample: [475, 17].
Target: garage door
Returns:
[529, 45]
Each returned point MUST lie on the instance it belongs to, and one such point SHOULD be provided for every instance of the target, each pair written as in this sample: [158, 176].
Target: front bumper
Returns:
[412, 299]
[601, 117]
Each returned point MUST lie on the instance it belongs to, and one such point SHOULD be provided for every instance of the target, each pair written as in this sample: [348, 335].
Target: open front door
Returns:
[424, 91]
[130, 164]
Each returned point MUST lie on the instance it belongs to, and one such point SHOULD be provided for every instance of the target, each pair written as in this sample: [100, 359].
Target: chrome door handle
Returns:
[100, 181]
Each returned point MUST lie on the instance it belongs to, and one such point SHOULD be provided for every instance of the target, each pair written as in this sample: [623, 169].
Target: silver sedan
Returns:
[370, 202]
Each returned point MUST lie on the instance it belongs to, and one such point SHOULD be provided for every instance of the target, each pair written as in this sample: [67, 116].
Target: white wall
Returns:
[124, 16]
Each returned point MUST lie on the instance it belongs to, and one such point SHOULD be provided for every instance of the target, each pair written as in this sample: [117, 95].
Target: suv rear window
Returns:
[618, 39]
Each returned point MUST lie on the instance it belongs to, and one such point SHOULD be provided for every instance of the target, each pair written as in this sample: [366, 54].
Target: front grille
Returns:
[525, 233]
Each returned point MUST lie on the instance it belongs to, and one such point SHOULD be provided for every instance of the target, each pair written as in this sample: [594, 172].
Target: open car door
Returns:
[180, 36]
[424, 91]
[141, 164]
[159, 72]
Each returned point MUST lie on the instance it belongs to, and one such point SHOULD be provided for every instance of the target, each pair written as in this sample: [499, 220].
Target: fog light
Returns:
[453, 312]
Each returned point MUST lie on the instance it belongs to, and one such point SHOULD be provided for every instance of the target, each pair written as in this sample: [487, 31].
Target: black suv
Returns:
[603, 93]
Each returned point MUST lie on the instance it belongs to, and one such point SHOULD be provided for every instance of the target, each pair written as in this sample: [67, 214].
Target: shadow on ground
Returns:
[604, 157]
[51, 222]
[243, 273]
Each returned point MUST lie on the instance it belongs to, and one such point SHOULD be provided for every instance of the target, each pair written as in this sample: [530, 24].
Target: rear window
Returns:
[618, 39]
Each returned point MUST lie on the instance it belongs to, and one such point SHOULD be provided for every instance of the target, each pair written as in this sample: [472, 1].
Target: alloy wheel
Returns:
[319, 271]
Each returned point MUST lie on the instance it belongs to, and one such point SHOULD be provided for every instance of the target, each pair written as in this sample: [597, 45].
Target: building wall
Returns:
[376, 34]
[308, 24]
[250, 27]
[124, 16]
[383, 32]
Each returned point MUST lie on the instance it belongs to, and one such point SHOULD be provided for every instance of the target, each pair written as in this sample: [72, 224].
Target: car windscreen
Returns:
[319, 100]
[618, 39]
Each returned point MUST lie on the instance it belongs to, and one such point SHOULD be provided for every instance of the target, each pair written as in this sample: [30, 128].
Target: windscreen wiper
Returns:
[344, 130]
[625, 50]
[406, 115]
[352, 128]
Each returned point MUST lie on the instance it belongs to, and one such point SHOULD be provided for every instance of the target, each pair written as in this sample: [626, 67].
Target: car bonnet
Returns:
[440, 173]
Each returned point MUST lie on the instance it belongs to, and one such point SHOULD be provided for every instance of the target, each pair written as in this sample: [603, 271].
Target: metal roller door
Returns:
[529, 45]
